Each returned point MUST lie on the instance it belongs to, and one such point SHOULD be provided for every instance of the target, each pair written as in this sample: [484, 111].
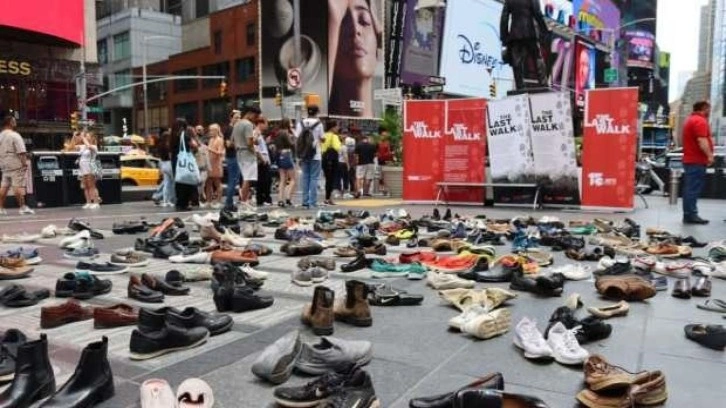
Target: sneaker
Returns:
[49, 231]
[201, 273]
[75, 240]
[3, 211]
[574, 272]
[25, 210]
[565, 348]
[530, 339]
[23, 238]
[302, 277]
[311, 394]
[318, 275]
[276, 362]
[254, 273]
[457, 322]
[131, 259]
[679, 270]
[81, 253]
[356, 391]
[86, 206]
[443, 281]
[198, 258]
[332, 354]
[100, 269]
[488, 325]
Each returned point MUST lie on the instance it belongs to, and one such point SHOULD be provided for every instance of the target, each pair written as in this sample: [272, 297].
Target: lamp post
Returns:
[143, 69]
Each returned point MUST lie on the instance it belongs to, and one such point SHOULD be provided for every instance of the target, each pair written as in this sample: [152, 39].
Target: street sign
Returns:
[94, 109]
[433, 88]
[611, 75]
[294, 79]
[437, 80]
[390, 94]
[87, 122]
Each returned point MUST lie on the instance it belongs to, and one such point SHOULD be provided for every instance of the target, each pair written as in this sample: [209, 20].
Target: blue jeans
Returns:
[233, 175]
[165, 190]
[694, 177]
[309, 183]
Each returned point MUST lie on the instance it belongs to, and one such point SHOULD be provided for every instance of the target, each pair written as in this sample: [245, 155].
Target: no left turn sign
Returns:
[294, 78]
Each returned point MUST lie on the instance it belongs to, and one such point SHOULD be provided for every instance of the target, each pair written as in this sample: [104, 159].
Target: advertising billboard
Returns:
[421, 43]
[342, 54]
[60, 19]
[471, 57]
[641, 45]
[595, 15]
[585, 63]
[561, 11]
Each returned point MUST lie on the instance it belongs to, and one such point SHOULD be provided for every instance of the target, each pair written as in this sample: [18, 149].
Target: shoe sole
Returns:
[302, 283]
[147, 356]
[355, 322]
[136, 265]
[530, 355]
[383, 275]
[119, 272]
[299, 404]
[284, 367]
[655, 399]
[492, 328]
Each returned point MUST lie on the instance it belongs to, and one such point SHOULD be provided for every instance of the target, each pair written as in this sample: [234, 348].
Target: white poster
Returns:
[508, 139]
[471, 56]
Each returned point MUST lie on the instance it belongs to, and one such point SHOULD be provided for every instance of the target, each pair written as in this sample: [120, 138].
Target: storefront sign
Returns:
[609, 146]
[15, 67]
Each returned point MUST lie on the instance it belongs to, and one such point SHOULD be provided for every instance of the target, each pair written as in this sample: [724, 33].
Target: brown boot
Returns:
[319, 314]
[354, 309]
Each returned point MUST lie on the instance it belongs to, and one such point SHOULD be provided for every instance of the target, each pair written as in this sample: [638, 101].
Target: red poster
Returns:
[465, 148]
[609, 147]
[423, 143]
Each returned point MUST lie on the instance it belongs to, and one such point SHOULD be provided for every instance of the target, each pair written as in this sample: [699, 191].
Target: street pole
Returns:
[83, 94]
[146, 97]
[297, 54]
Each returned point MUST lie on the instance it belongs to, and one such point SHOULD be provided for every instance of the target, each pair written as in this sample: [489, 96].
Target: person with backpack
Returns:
[309, 133]
[331, 159]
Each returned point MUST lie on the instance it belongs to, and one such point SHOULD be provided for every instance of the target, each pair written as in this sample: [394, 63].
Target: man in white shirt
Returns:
[243, 140]
[309, 155]
[13, 165]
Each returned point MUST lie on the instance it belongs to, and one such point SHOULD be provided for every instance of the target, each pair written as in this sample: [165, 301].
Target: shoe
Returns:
[551, 285]
[64, 313]
[131, 259]
[25, 210]
[682, 289]
[702, 287]
[331, 353]
[356, 391]
[587, 330]
[193, 393]
[156, 393]
[626, 287]
[302, 247]
[711, 336]
[443, 281]
[619, 309]
[88, 286]
[235, 256]
[650, 389]
[565, 348]
[49, 231]
[91, 382]
[29, 256]
[163, 286]
[493, 398]
[528, 338]
[14, 273]
[360, 262]
[198, 258]
[170, 338]
[319, 314]
[100, 268]
[354, 309]
[138, 290]
[313, 393]
[276, 362]
[384, 269]
[695, 220]
[494, 381]
[678, 270]
[10, 342]
[240, 299]
[603, 376]
[488, 325]
[192, 317]
[74, 240]
[18, 296]
[346, 252]
[81, 253]
[302, 277]
[33, 380]
[114, 316]
[385, 295]
[574, 272]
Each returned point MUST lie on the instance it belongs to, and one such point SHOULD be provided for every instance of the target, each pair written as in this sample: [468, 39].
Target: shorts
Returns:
[285, 161]
[249, 170]
[14, 178]
[365, 171]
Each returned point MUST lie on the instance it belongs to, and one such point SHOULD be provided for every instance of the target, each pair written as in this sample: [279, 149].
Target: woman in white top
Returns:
[85, 144]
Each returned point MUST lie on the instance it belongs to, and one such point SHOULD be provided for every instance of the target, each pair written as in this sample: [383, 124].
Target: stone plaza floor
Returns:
[414, 353]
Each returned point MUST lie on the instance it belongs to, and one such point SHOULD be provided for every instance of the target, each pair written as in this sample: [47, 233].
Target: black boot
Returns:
[90, 384]
[447, 215]
[34, 379]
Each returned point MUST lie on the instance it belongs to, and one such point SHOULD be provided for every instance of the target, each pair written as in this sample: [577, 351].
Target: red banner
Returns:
[609, 147]
[444, 141]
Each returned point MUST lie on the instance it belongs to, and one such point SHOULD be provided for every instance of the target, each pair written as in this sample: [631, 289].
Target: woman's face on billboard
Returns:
[358, 47]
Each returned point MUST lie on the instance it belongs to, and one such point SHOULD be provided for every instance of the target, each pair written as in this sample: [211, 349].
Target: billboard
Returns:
[471, 57]
[641, 45]
[561, 11]
[61, 19]
[640, 36]
[421, 43]
[585, 69]
[342, 54]
[595, 15]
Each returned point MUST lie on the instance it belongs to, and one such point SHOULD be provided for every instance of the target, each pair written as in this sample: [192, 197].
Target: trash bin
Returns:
[71, 177]
[109, 187]
[48, 183]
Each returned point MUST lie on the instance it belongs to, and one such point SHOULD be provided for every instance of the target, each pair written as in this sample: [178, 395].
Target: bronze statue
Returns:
[522, 28]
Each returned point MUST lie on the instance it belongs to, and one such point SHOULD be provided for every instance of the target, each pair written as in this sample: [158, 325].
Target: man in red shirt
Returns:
[697, 155]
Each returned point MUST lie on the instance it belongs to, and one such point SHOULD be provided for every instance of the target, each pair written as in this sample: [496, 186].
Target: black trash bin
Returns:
[49, 187]
[71, 177]
[109, 187]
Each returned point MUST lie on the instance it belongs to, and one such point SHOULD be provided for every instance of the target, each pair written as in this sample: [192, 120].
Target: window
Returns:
[218, 42]
[186, 84]
[121, 78]
[102, 47]
[202, 8]
[174, 7]
[251, 32]
[215, 111]
[121, 46]
[187, 111]
[245, 69]
[221, 69]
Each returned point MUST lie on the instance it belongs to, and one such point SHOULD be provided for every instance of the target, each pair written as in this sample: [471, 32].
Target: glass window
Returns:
[186, 84]
[215, 110]
[218, 42]
[121, 78]
[251, 32]
[187, 111]
[245, 69]
[202, 8]
[221, 69]
[102, 47]
[174, 7]
[121, 46]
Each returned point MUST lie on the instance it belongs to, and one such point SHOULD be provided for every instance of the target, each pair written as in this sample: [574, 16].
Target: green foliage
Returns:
[393, 122]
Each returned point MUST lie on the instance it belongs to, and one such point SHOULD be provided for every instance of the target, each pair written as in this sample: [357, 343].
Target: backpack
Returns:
[305, 142]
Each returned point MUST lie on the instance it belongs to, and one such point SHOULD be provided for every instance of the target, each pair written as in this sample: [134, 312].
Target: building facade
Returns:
[718, 72]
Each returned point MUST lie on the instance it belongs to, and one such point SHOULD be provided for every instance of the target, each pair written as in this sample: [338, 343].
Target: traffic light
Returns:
[278, 99]
[493, 89]
[74, 120]
[222, 89]
[312, 99]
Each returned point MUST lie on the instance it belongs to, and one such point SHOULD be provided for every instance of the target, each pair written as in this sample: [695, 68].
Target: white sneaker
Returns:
[201, 220]
[198, 258]
[21, 238]
[95, 206]
[75, 239]
[443, 281]
[234, 239]
[87, 206]
[565, 348]
[528, 338]
[574, 271]
[458, 322]
[25, 210]
[79, 244]
[644, 262]
[604, 263]
[49, 231]
[254, 273]
[680, 270]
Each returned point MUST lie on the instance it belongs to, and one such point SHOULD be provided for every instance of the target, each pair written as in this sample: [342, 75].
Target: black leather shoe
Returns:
[711, 336]
[137, 290]
[682, 289]
[479, 398]
[170, 338]
[88, 286]
[493, 381]
[175, 235]
[360, 262]
[34, 378]
[10, 343]
[193, 317]
[163, 286]
[695, 221]
[90, 384]
[244, 299]
[129, 227]
[702, 287]
[542, 285]
[591, 328]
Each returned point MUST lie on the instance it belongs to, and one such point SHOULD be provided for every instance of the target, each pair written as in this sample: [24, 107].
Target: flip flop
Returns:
[156, 393]
[194, 393]
[713, 305]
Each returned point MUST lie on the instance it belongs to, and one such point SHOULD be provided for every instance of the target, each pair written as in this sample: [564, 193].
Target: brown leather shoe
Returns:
[15, 273]
[319, 314]
[663, 249]
[682, 289]
[354, 309]
[346, 252]
[625, 287]
[12, 263]
[650, 389]
[114, 316]
[702, 287]
[603, 376]
[441, 245]
[64, 313]
[235, 256]
[591, 399]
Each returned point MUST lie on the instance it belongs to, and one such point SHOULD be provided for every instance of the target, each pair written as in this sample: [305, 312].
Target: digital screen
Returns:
[641, 45]
[61, 19]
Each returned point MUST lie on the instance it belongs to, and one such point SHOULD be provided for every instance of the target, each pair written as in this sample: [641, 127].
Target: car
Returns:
[139, 170]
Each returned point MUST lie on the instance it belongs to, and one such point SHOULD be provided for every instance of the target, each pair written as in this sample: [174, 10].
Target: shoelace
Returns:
[571, 339]
[531, 334]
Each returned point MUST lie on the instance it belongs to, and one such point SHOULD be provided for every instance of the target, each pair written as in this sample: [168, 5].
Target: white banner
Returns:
[508, 138]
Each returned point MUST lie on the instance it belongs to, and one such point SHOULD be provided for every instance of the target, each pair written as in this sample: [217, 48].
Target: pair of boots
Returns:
[354, 309]
[90, 384]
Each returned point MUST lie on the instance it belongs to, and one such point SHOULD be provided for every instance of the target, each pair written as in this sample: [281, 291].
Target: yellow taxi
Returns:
[139, 170]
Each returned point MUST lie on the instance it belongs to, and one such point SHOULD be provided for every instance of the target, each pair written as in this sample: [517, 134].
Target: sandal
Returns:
[713, 305]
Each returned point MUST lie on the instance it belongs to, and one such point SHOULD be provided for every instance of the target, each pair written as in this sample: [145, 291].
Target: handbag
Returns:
[187, 171]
